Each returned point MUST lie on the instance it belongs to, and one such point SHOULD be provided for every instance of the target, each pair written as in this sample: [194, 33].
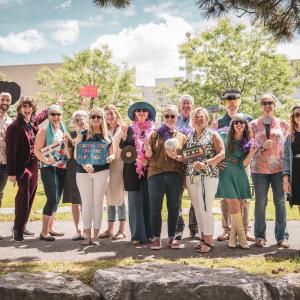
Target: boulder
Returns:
[45, 286]
[294, 281]
[148, 281]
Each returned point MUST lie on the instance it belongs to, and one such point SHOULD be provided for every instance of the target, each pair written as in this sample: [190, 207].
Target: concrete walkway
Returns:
[64, 249]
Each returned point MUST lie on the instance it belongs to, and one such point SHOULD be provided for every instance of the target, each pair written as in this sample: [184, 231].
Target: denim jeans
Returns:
[171, 184]
[139, 214]
[53, 179]
[3, 180]
[112, 211]
[261, 186]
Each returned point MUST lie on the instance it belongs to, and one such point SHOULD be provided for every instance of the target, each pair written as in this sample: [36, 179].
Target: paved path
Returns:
[64, 249]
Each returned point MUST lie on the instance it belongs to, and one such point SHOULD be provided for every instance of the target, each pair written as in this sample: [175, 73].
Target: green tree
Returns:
[230, 56]
[3, 76]
[88, 67]
[281, 17]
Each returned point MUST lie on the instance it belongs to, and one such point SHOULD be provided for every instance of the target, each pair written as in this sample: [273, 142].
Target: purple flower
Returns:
[246, 145]
[185, 130]
[164, 132]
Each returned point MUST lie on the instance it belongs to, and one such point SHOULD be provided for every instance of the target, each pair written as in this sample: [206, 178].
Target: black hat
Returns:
[12, 88]
[231, 94]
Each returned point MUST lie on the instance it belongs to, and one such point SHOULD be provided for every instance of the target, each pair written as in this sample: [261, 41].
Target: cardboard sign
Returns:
[93, 153]
[48, 150]
[89, 91]
[192, 154]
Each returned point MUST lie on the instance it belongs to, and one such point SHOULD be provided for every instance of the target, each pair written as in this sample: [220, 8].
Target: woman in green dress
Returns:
[233, 181]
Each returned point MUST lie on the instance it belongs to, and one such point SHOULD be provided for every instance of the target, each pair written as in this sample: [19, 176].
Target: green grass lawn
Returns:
[10, 191]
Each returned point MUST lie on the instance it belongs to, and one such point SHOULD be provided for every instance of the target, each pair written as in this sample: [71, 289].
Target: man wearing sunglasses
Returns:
[269, 133]
[231, 100]
[186, 103]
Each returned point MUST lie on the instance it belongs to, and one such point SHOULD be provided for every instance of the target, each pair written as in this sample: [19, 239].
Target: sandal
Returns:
[118, 236]
[105, 235]
[87, 242]
[198, 247]
[210, 248]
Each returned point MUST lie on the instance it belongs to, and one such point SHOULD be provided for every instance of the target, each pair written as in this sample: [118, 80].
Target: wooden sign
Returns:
[93, 153]
[50, 149]
[89, 91]
[192, 154]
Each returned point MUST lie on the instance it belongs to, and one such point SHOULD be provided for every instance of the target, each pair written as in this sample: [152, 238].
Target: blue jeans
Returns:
[112, 211]
[139, 214]
[261, 186]
[171, 184]
[3, 181]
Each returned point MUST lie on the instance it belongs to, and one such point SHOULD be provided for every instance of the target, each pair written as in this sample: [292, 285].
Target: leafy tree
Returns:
[232, 56]
[281, 17]
[113, 3]
[88, 67]
[3, 76]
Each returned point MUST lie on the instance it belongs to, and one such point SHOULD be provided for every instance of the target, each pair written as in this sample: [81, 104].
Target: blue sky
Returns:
[145, 35]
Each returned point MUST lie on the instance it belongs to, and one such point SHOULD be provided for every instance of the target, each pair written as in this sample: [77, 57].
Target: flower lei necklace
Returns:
[138, 129]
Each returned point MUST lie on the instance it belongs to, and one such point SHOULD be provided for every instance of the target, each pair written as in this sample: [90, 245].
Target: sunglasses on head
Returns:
[238, 122]
[267, 103]
[170, 116]
[93, 117]
[141, 110]
[296, 115]
[53, 114]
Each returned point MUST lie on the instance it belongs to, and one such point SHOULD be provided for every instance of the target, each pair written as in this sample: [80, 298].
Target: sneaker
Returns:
[174, 244]
[28, 232]
[17, 236]
[156, 245]
[178, 235]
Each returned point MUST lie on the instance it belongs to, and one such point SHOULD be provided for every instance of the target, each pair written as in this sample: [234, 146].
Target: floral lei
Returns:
[138, 128]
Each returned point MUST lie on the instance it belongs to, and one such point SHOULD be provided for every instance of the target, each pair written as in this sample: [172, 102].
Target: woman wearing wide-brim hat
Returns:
[142, 114]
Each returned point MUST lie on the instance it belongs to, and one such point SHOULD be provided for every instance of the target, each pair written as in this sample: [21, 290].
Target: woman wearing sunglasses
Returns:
[202, 176]
[92, 179]
[291, 160]
[71, 193]
[115, 195]
[165, 176]
[269, 133]
[233, 180]
[53, 167]
[142, 114]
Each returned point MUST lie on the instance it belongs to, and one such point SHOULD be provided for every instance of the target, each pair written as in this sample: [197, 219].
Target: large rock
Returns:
[294, 281]
[153, 281]
[44, 286]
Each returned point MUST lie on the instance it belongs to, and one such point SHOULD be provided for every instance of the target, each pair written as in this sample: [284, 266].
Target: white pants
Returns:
[203, 209]
[92, 188]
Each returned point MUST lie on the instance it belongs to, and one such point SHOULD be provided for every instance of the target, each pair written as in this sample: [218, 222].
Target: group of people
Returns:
[229, 149]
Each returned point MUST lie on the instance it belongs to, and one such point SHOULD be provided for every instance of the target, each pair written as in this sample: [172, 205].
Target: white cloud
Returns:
[64, 5]
[23, 42]
[67, 33]
[152, 48]
[160, 9]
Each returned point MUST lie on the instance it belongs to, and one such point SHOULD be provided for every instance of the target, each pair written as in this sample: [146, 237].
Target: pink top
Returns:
[268, 161]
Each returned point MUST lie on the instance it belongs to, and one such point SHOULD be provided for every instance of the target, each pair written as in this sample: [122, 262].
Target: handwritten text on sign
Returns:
[89, 91]
[94, 153]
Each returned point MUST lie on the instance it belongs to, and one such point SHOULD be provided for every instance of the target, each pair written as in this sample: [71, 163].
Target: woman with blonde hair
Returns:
[115, 195]
[291, 159]
[202, 176]
[92, 179]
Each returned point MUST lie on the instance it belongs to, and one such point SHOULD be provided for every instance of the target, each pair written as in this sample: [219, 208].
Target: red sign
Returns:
[89, 91]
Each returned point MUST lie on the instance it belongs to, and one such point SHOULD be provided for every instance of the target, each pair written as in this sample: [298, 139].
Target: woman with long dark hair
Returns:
[233, 181]
[291, 160]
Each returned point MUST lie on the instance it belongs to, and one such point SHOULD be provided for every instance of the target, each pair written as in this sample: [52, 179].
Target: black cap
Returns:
[12, 88]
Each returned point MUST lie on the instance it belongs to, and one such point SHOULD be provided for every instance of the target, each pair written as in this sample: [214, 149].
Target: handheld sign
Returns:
[89, 91]
[192, 154]
[50, 149]
[93, 153]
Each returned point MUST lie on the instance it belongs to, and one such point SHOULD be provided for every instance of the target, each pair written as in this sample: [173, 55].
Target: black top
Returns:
[130, 176]
[225, 120]
[295, 199]
[97, 168]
